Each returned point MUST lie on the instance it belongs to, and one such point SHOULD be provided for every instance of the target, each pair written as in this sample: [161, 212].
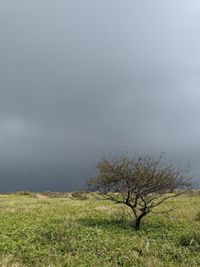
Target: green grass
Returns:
[71, 232]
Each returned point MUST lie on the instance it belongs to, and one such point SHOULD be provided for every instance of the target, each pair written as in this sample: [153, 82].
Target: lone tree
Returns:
[141, 183]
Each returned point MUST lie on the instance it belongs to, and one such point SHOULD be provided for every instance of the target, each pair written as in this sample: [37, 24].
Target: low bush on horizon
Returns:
[80, 195]
[55, 194]
[71, 232]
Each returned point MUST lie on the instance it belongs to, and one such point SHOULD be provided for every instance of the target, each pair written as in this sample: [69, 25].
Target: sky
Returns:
[81, 78]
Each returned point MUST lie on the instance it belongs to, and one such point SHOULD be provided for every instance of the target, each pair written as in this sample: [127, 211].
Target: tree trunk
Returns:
[137, 224]
[138, 220]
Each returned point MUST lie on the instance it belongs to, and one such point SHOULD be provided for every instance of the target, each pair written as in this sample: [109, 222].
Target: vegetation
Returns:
[81, 195]
[141, 183]
[46, 231]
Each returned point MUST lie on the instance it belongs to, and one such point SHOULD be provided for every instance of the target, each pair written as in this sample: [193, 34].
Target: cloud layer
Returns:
[81, 77]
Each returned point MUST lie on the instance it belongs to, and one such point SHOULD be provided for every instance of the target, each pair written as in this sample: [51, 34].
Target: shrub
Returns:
[80, 195]
[24, 193]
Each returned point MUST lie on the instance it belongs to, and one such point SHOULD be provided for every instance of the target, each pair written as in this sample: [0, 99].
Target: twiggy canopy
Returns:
[142, 183]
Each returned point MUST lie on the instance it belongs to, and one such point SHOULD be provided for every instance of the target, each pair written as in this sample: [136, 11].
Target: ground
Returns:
[37, 230]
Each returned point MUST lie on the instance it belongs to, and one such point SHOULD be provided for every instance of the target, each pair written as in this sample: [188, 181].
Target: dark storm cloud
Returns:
[81, 77]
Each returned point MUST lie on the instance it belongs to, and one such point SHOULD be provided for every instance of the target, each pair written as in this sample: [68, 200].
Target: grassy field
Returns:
[44, 231]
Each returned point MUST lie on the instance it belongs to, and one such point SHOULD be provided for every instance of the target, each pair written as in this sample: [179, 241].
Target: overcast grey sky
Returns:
[79, 77]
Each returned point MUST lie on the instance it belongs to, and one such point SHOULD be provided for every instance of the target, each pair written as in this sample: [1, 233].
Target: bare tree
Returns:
[141, 183]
